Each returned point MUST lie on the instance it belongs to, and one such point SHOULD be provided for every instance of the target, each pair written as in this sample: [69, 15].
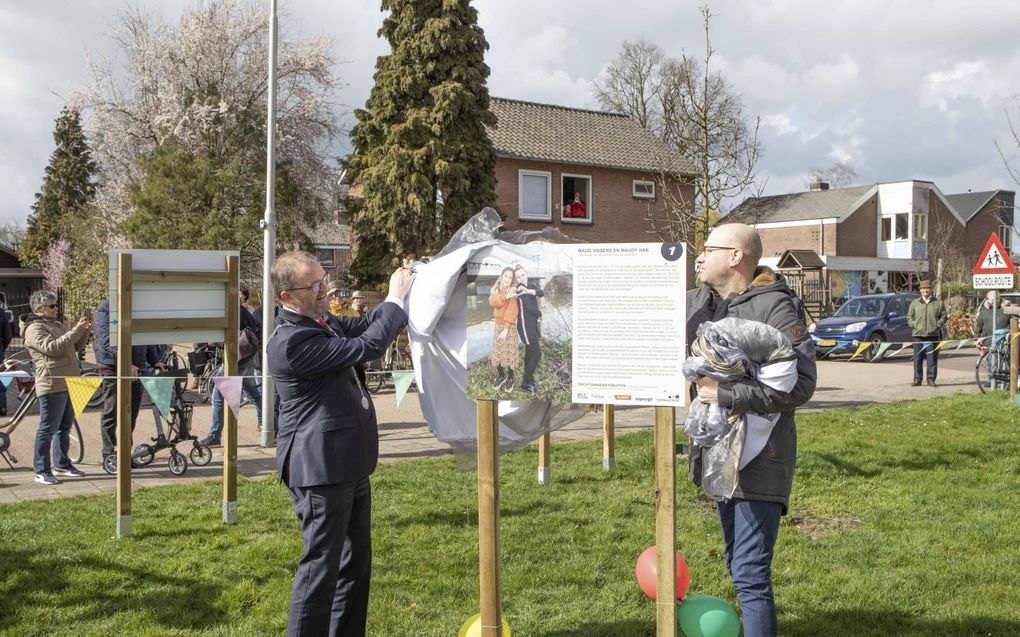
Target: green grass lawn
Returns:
[905, 521]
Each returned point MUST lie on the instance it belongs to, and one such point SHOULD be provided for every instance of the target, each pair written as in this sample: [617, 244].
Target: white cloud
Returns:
[899, 90]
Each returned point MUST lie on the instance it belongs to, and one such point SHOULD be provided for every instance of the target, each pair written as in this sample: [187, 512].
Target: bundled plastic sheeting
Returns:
[437, 326]
[727, 350]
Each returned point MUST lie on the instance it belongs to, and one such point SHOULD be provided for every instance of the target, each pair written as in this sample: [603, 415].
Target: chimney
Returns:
[819, 185]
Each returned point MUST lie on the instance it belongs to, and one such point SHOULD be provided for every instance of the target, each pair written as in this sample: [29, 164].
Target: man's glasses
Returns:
[316, 287]
[708, 249]
[51, 306]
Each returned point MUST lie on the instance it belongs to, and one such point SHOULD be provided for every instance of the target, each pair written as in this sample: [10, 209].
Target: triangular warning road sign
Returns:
[994, 258]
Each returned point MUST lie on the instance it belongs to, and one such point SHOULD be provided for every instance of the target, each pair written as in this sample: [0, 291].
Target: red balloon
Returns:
[647, 574]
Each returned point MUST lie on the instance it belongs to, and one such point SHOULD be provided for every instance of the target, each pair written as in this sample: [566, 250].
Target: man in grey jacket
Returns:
[733, 285]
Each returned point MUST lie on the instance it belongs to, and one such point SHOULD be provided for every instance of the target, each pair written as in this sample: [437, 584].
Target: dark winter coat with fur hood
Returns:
[769, 476]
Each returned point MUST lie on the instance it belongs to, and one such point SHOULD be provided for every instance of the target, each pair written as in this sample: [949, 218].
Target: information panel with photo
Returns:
[582, 323]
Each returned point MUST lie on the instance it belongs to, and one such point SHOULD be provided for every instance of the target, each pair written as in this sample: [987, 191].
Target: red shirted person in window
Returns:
[575, 209]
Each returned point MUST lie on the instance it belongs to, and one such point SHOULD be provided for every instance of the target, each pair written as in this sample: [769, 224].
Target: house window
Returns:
[886, 228]
[325, 257]
[921, 227]
[643, 189]
[534, 195]
[575, 192]
[902, 226]
[1006, 237]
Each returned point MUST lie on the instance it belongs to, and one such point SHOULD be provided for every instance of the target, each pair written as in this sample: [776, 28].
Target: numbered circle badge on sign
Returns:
[672, 251]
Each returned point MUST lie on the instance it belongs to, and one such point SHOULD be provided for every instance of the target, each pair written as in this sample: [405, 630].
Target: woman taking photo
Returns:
[505, 354]
[54, 351]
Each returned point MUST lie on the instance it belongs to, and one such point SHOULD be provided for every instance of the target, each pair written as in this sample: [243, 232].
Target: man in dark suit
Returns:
[328, 440]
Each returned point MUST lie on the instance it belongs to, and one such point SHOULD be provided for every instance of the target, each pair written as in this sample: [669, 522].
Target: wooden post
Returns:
[230, 369]
[488, 518]
[1014, 357]
[608, 437]
[544, 467]
[665, 521]
[124, 442]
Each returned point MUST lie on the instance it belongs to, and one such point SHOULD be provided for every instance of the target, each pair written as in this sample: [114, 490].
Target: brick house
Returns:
[876, 238]
[618, 170]
[17, 283]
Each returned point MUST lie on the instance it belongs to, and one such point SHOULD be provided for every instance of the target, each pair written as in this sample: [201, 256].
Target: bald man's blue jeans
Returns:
[749, 529]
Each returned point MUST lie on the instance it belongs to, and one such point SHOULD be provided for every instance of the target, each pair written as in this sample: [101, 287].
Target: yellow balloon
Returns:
[473, 627]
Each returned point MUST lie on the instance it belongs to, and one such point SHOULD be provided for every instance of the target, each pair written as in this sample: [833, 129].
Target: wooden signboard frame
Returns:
[488, 513]
[126, 328]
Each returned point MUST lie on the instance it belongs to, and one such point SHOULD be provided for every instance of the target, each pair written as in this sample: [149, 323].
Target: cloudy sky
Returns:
[899, 89]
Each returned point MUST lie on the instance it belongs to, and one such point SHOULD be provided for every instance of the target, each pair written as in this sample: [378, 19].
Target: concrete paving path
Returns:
[404, 434]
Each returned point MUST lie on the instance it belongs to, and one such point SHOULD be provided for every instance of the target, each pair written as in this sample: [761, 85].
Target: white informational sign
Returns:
[630, 324]
[993, 281]
[168, 299]
[581, 323]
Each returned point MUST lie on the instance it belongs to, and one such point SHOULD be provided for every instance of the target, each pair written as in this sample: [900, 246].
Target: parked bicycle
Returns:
[992, 368]
[203, 363]
[396, 358]
[28, 402]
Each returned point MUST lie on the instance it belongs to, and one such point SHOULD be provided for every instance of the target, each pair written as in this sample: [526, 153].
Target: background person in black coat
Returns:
[328, 439]
[143, 357]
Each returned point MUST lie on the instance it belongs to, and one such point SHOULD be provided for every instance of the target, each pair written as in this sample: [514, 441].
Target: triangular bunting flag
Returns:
[230, 387]
[881, 349]
[903, 346]
[8, 377]
[160, 391]
[861, 348]
[942, 344]
[964, 342]
[81, 389]
[402, 382]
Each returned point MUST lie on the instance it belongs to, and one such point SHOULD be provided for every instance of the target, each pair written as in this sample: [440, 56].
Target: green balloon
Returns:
[707, 616]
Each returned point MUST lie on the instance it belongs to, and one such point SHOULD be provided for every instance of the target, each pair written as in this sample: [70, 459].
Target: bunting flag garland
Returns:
[942, 344]
[882, 347]
[860, 348]
[81, 389]
[402, 382]
[230, 388]
[8, 377]
[160, 390]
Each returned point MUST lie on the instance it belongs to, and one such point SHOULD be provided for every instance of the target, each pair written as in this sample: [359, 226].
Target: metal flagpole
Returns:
[269, 242]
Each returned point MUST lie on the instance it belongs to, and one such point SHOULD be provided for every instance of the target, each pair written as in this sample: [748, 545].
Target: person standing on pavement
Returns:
[983, 326]
[926, 317]
[143, 358]
[54, 350]
[328, 439]
[734, 286]
[6, 336]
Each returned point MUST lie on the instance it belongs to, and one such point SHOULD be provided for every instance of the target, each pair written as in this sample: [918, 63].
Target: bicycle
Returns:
[203, 363]
[992, 368]
[396, 358]
[28, 399]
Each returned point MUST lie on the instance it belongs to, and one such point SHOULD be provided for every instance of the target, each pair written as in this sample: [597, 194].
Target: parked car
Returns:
[877, 318]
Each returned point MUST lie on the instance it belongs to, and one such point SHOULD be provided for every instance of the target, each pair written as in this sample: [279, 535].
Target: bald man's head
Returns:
[740, 236]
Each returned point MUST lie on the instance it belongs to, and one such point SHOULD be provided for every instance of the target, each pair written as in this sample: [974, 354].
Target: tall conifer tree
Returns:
[69, 185]
[421, 152]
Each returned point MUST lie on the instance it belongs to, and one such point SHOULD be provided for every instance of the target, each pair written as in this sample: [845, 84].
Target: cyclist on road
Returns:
[983, 327]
